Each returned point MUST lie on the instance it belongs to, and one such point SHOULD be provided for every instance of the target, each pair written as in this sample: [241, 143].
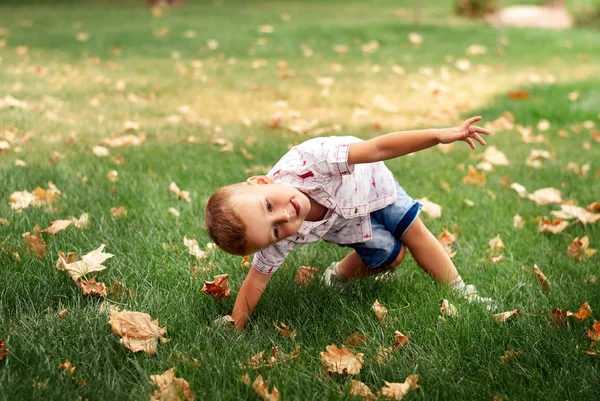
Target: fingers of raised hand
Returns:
[480, 130]
[477, 138]
[471, 120]
[470, 142]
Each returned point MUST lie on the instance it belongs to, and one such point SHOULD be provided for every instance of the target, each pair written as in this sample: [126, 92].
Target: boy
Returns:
[338, 189]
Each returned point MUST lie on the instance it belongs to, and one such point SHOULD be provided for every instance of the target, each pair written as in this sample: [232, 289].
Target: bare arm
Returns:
[396, 144]
[251, 290]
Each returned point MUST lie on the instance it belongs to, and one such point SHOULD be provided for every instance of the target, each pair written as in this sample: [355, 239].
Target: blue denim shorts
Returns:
[388, 225]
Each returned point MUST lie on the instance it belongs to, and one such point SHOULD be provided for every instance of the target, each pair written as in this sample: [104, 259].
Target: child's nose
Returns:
[284, 216]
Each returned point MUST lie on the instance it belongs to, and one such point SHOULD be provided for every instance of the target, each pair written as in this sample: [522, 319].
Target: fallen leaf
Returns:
[509, 355]
[579, 248]
[56, 226]
[276, 357]
[3, 349]
[519, 95]
[171, 388]
[89, 263]
[306, 275]
[359, 389]
[40, 197]
[504, 316]
[138, 331]
[246, 264]
[433, 210]
[260, 386]
[380, 311]
[118, 212]
[473, 177]
[397, 391]
[546, 196]
[401, 340]
[559, 316]
[544, 282]
[100, 151]
[123, 141]
[518, 221]
[341, 360]
[218, 288]
[583, 313]
[447, 309]
[185, 195]
[62, 314]
[446, 238]
[35, 243]
[554, 227]
[93, 287]
[535, 157]
[520, 189]
[593, 207]
[496, 246]
[356, 340]
[569, 212]
[67, 366]
[283, 329]
[383, 354]
[494, 156]
[593, 334]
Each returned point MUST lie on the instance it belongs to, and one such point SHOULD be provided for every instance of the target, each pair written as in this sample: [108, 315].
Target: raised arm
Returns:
[251, 290]
[396, 144]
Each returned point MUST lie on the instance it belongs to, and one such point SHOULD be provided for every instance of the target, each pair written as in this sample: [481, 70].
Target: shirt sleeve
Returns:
[329, 155]
[268, 260]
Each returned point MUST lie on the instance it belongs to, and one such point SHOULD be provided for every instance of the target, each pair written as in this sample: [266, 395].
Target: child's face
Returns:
[271, 211]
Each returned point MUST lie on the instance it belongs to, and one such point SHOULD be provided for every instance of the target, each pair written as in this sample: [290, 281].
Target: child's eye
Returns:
[276, 231]
[269, 206]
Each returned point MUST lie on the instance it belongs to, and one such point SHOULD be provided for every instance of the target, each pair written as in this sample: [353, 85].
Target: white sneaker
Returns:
[331, 277]
[470, 294]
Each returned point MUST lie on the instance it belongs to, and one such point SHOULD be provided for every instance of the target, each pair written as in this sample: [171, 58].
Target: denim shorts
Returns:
[388, 225]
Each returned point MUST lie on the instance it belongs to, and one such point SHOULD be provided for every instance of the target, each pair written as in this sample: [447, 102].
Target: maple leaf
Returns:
[397, 391]
[520, 189]
[82, 223]
[383, 354]
[583, 313]
[138, 331]
[67, 366]
[283, 329]
[35, 243]
[341, 360]
[401, 340]
[125, 140]
[593, 207]
[447, 309]
[579, 248]
[92, 287]
[380, 311]
[504, 316]
[433, 210]
[356, 339]
[90, 262]
[118, 212]
[260, 387]
[518, 221]
[554, 227]
[569, 212]
[185, 195]
[306, 275]
[494, 156]
[473, 177]
[22, 199]
[277, 356]
[56, 226]
[193, 248]
[3, 349]
[559, 316]
[544, 282]
[62, 314]
[359, 389]
[218, 288]
[593, 334]
[446, 238]
[535, 157]
[171, 388]
[546, 196]
[495, 250]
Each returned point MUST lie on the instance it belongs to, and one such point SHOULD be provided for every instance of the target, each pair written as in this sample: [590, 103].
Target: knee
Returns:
[399, 259]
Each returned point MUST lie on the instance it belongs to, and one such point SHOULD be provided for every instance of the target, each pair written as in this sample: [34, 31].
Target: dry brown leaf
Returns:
[82, 223]
[218, 288]
[35, 243]
[494, 156]
[593, 334]
[554, 227]
[446, 238]
[397, 391]
[359, 389]
[473, 177]
[447, 309]
[23, 199]
[520, 189]
[341, 360]
[260, 386]
[579, 248]
[380, 311]
[544, 282]
[546, 196]
[56, 226]
[593, 207]
[185, 195]
[519, 94]
[277, 357]
[583, 313]
[433, 210]
[496, 246]
[518, 221]
[193, 248]
[306, 275]
[246, 264]
[283, 329]
[504, 316]
[62, 314]
[356, 340]
[118, 212]
[3, 349]
[138, 331]
[559, 316]
[123, 141]
[171, 388]
[569, 212]
[92, 287]
[535, 157]
[383, 354]
[401, 340]
[510, 354]
[67, 366]
[89, 263]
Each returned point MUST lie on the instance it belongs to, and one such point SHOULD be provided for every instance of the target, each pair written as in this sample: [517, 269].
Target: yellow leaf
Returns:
[504, 316]
[380, 311]
[218, 288]
[138, 331]
[171, 388]
[397, 391]
[341, 360]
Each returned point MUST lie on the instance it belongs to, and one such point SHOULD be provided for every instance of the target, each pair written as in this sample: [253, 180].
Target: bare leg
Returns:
[352, 266]
[429, 253]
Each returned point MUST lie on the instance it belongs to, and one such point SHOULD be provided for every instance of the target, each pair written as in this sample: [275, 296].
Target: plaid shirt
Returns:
[319, 168]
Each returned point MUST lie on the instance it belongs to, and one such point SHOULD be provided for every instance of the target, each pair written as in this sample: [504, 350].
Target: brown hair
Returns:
[224, 225]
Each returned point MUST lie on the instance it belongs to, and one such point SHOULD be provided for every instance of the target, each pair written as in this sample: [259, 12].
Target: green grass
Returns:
[455, 361]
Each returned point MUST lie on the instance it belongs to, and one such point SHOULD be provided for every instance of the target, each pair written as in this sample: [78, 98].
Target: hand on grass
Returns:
[465, 132]
[224, 321]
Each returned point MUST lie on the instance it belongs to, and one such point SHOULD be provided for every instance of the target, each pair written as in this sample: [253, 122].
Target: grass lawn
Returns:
[259, 76]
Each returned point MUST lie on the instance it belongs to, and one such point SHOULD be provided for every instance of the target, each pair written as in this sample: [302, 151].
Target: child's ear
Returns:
[260, 180]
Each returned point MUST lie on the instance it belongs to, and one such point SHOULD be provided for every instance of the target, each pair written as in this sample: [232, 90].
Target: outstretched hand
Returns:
[465, 132]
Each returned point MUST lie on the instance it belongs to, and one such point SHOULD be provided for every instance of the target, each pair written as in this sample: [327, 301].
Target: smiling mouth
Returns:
[296, 206]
